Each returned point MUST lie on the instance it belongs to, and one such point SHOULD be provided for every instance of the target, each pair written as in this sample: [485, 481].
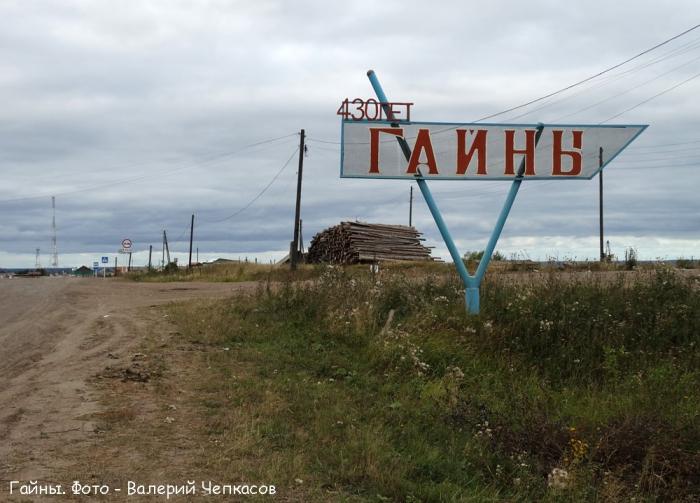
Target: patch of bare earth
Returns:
[92, 389]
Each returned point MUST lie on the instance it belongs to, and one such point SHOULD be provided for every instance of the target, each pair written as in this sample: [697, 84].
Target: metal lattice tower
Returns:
[54, 247]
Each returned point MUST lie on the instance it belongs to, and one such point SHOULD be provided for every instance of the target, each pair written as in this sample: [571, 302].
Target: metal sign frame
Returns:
[471, 282]
[493, 128]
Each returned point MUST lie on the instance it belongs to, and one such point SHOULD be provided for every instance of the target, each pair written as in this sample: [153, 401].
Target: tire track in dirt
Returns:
[56, 334]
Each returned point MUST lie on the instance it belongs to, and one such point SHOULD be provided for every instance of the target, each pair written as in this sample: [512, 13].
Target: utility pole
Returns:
[167, 249]
[37, 264]
[410, 209]
[150, 252]
[115, 266]
[600, 201]
[198, 254]
[54, 247]
[189, 265]
[128, 267]
[294, 247]
[301, 236]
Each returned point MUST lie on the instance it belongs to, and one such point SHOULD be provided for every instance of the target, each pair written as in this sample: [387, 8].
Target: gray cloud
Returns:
[135, 118]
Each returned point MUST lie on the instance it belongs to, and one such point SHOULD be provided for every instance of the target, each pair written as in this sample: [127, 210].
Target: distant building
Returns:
[223, 261]
[83, 271]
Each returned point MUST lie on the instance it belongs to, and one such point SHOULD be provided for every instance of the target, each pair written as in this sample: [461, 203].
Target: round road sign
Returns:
[126, 243]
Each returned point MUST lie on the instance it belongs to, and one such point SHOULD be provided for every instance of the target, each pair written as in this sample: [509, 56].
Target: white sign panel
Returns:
[479, 151]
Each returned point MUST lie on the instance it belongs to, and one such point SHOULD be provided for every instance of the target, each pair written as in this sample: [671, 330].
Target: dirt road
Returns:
[55, 335]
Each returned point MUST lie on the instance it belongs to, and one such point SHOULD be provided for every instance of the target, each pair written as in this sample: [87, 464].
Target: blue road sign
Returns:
[105, 260]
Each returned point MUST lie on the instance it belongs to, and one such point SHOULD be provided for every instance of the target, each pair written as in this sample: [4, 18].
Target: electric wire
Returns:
[643, 102]
[610, 79]
[259, 195]
[113, 183]
[625, 160]
[638, 153]
[588, 79]
[537, 100]
[182, 234]
[667, 144]
[627, 91]
[248, 205]
[557, 92]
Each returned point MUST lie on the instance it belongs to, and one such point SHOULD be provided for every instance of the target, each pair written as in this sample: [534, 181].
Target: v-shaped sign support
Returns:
[471, 282]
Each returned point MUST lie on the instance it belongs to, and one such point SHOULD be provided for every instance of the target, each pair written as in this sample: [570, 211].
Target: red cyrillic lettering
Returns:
[529, 152]
[558, 152]
[423, 144]
[374, 144]
[478, 145]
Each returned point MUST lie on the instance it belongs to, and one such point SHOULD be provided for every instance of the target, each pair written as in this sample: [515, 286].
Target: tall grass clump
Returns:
[230, 272]
[563, 387]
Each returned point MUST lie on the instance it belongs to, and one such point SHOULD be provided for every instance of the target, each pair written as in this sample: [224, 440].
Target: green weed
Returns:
[380, 386]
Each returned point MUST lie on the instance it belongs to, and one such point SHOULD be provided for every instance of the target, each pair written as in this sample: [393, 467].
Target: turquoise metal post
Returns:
[427, 195]
[503, 216]
[496, 233]
[444, 231]
[471, 283]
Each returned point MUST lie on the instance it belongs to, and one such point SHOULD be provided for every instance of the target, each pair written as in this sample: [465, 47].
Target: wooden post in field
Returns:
[294, 247]
[166, 248]
[600, 202]
[189, 264]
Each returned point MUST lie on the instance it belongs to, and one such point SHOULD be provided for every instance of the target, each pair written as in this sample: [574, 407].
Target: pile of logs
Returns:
[354, 242]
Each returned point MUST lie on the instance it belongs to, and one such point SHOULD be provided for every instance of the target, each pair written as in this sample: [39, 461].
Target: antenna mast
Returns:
[54, 247]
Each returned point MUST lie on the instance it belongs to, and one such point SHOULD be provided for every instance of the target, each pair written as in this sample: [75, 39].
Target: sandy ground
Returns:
[56, 335]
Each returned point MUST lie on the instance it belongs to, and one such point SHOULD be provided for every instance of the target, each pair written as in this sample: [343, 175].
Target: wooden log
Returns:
[352, 242]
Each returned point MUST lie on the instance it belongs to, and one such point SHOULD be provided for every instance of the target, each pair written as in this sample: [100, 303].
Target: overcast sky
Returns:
[137, 114]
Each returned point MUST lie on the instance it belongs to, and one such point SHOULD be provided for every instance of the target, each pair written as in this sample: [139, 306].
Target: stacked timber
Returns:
[354, 242]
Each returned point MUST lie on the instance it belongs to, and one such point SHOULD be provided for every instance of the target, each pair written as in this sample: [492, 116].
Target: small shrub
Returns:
[684, 263]
[630, 258]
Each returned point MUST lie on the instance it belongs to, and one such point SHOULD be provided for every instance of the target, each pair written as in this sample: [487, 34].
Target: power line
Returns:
[615, 77]
[663, 165]
[684, 151]
[657, 157]
[628, 90]
[182, 234]
[207, 160]
[667, 90]
[259, 195]
[588, 79]
[666, 144]
[559, 91]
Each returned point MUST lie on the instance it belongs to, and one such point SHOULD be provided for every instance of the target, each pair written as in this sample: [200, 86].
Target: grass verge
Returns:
[379, 387]
[235, 272]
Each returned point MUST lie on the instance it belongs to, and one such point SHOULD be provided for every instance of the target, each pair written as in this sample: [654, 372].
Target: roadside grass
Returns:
[236, 272]
[249, 271]
[372, 387]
